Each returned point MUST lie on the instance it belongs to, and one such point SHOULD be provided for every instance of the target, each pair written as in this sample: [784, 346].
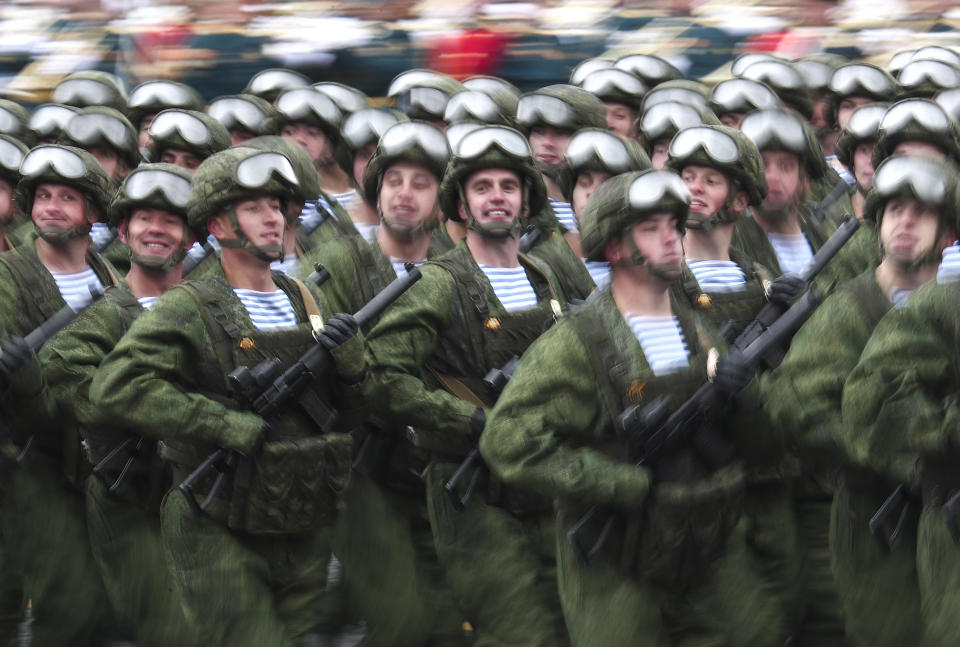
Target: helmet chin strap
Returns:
[161, 264]
[267, 253]
[495, 230]
[410, 234]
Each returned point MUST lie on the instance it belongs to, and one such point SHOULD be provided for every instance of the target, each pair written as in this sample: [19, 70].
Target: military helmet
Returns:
[784, 130]
[152, 186]
[916, 120]
[12, 152]
[860, 80]
[306, 105]
[615, 86]
[363, 128]
[723, 148]
[49, 119]
[423, 94]
[246, 111]
[628, 198]
[348, 99]
[271, 83]
[817, 69]
[239, 173]
[489, 84]
[154, 96]
[782, 78]
[565, 107]
[491, 147]
[58, 164]
[306, 170]
[926, 77]
[188, 130]
[739, 95]
[664, 120]
[587, 66]
[416, 142]
[91, 88]
[596, 149]
[14, 121]
[679, 91]
[925, 178]
[650, 69]
[495, 107]
[744, 61]
[863, 127]
[105, 127]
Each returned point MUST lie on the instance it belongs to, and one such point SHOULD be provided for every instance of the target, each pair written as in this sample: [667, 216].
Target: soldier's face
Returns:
[549, 144]
[863, 165]
[709, 189]
[494, 196]
[144, 140]
[261, 221]
[115, 167]
[587, 183]
[908, 231]
[784, 181]
[311, 138]
[155, 232]
[660, 154]
[661, 245]
[240, 135]
[732, 119]
[183, 159]
[6, 203]
[620, 119]
[58, 207]
[360, 161]
[408, 195]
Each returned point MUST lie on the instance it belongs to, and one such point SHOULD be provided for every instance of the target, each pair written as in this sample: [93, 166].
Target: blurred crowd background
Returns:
[217, 46]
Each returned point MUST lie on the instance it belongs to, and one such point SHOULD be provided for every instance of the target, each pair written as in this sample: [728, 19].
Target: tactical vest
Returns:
[692, 509]
[293, 482]
[552, 250]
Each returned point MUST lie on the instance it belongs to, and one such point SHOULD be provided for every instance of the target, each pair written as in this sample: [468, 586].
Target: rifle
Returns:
[190, 263]
[266, 388]
[840, 189]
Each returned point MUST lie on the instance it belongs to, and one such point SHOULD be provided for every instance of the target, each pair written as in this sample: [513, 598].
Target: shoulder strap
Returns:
[103, 269]
[126, 303]
[223, 330]
[457, 388]
[467, 281]
[609, 368]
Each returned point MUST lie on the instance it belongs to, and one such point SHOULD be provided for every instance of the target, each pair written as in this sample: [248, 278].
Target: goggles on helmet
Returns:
[936, 53]
[64, 162]
[83, 91]
[9, 122]
[949, 100]
[744, 95]
[412, 79]
[429, 100]
[366, 126]
[405, 135]
[11, 157]
[926, 179]
[652, 69]
[898, 60]
[50, 119]
[300, 103]
[865, 121]
[719, 146]
[489, 85]
[89, 128]
[471, 105]
[476, 143]
[774, 73]
[589, 145]
[815, 74]
[534, 109]
[160, 93]
[939, 73]
[649, 189]
[273, 80]
[746, 60]
[256, 170]
[346, 99]
[587, 67]
[139, 185]
[232, 111]
[191, 129]
[456, 132]
[665, 119]
[849, 79]
[922, 112]
[675, 95]
[605, 82]
[769, 127]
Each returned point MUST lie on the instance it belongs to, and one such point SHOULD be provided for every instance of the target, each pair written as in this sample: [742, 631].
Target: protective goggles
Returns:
[257, 170]
[594, 145]
[865, 121]
[347, 99]
[949, 100]
[273, 80]
[90, 128]
[534, 109]
[923, 177]
[775, 74]
[676, 95]
[50, 119]
[232, 112]
[404, 136]
[587, 67]
[924, 113]
[9, 122]
[456, 132]
[475, 144]
[664, 119]
[63, 162]
[141, 184]
[941, 74]
[410, 80]
[746, 60]
[648, 190]
[11, 157]
[301, 103]
[719, 146]
[744, 95]
[936, 53]
[652, 69]
[428, 100]
[472, 105]
[84, 92]
[898, 60]
[815, 74]
[851, 79]
[191, 130]
[613, 82]
[488, 85]
[160, 93]
[767, 127]
[366, 126]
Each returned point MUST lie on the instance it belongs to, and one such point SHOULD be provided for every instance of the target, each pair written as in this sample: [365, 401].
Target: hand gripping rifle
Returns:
[266, 387]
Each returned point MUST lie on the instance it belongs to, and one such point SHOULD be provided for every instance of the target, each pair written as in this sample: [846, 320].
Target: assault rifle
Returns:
[267, 387]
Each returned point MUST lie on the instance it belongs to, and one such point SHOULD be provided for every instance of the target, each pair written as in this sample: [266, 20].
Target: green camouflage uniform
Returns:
[252, 569]
[749, 238]
[124, 526]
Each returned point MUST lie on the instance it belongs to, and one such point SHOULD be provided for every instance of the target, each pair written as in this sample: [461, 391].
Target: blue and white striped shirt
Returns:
[100, 233]
[662, 342]
[147, 302]
[599, 272]
[400, 266]
[792, 250]
[718, 276]
[268, 310]
[347, 199]
[949, 269]
[74, 287]
[564, 213]
[369, 232]
[288, 265]
[512, 287]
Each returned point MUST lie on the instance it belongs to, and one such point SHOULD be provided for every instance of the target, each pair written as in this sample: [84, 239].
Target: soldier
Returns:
[621, 94]
[661, 121]
[185, 138]
[785, 80]
[123, 494]
[271, 83]
[877, 588]
[672, 567]
[423, 94]
[249, 568]
[855, 147]
[48, 121]
[152, 97]
[857, 84]
[11, 155]
[65, 190]
[91, 88]
[732, 99]
[245, 116]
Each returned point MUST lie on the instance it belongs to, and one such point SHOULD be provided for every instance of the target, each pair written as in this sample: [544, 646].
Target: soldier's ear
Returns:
[216, 225]
[740, 202]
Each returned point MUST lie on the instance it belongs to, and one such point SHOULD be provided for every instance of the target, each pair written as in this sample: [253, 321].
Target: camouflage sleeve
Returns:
[148, 381]
[399, 347]
[9, 302]
[340, 289]
[900, 401]
[531, 438]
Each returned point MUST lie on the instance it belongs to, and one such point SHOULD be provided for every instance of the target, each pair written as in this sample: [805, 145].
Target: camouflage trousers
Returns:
[938, 578]
[243, 589]
[501, 567]
[126, 543]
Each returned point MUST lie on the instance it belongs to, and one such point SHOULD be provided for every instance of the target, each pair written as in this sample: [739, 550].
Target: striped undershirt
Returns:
[564, 213]
[599, 272]
[718, 276]
[949, 269]
[792, 250]
[512, 287]
[147, 302]
[369, 232]
[847, 176]
[100, 234]
[399, 267]
[662, 342]
[347, 199]
[74, 287]
[268, 310]
[898, 297]
[289, 265]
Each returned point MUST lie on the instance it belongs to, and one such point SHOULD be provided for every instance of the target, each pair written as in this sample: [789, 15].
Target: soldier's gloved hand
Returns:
[20, 367]
[785, 288]
[340, 337]
[733, 374]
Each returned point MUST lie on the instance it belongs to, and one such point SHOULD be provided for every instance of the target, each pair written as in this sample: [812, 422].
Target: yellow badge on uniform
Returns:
[635, 392]
[493, 323]
[704, 300]
[246, 343]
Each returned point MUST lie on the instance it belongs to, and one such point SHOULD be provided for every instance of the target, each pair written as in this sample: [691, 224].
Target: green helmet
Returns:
[862, 128]
[309, 181]
[493, 107]
[596, 149]
[614, 85]
[744, 61]
[926, 77]
[188, 130]
[98, 126]
[664, 120]
[782, 78]
[924, 178]
[727, 150]
[566, 107]
[920, 120]
[692, 93]
[363, 128]
[625, 199]
[415, 142]
[309, 106]
[860, 80]
[348, 99]
[49, 119]
[652, 70]
[235, 174]
[492, 147]
[817, 69]
[152, 97]
[784, 130]
[271, 83]
[740, 96]
[12, 152]
[489, 84]
[587, 66]
[423, 94]
[14, 121]
[91, 88]
[56, 164]
[246, 112]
